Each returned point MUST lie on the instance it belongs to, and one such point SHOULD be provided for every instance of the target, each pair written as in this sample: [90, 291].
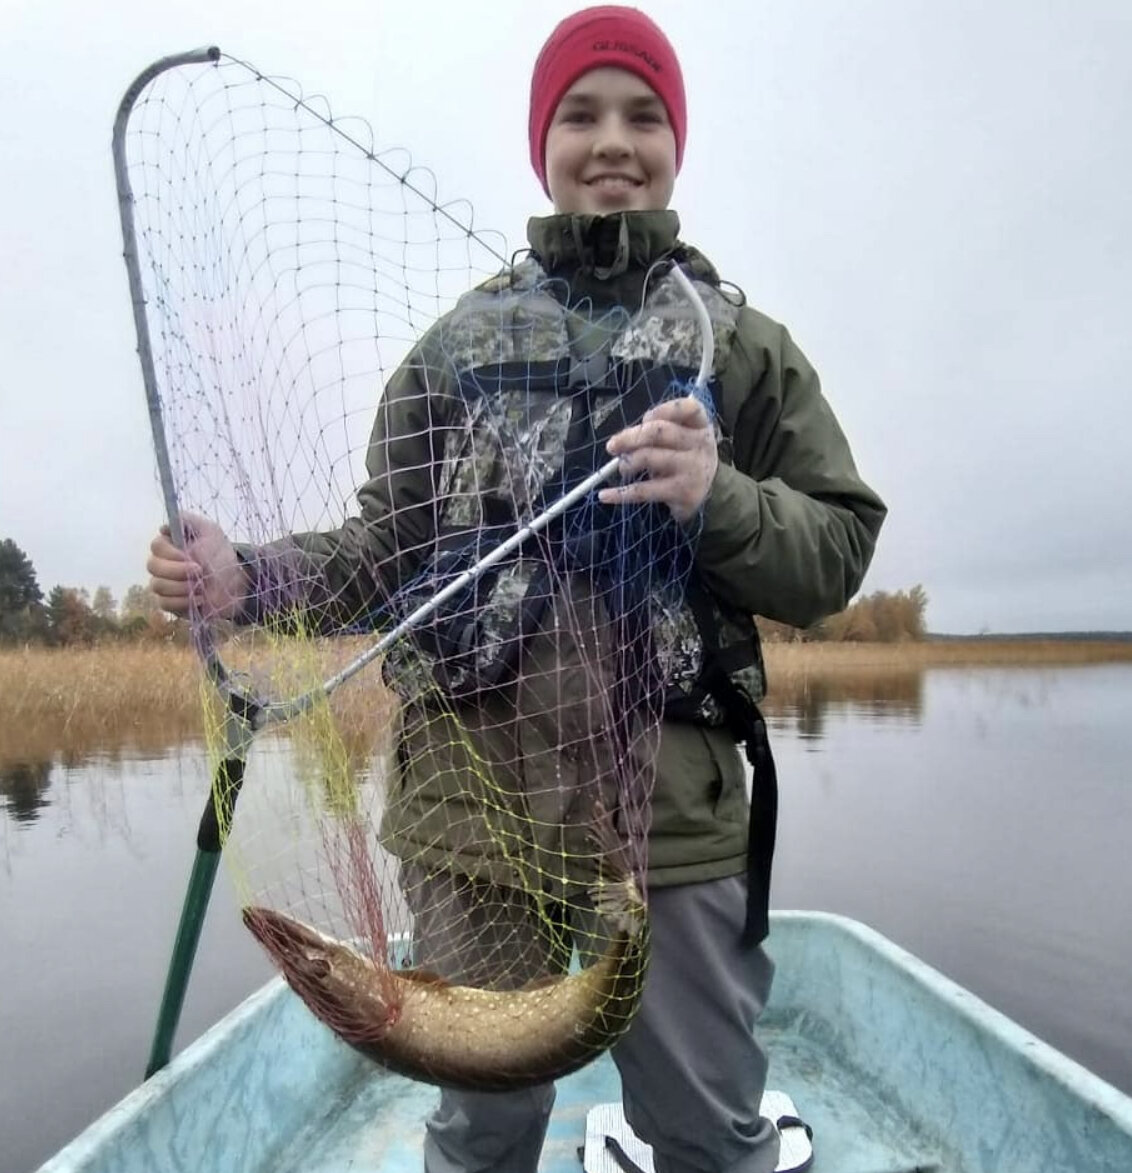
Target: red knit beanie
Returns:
[605, 35]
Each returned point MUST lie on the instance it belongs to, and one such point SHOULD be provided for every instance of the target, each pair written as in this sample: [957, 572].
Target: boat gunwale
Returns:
[196, 1055]
[1073, 1077]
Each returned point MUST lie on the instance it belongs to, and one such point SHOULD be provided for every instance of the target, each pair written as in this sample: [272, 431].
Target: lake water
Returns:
[979, 818]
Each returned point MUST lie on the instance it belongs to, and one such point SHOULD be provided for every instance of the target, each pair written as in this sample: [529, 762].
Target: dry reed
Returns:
[785, 660]
[73, 701]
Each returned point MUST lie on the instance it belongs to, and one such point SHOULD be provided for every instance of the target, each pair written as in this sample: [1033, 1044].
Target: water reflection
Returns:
[30, 787]
[93, 736]
[23, 787]
[802, 707]
[799, 705]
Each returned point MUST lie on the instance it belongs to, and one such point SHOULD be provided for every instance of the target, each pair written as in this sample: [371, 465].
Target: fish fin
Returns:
[424, 977]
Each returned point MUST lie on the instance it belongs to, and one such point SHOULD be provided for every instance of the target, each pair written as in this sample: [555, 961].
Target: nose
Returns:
[613, 140]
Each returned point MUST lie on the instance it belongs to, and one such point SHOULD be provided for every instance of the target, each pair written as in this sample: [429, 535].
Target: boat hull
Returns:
[895, 1067]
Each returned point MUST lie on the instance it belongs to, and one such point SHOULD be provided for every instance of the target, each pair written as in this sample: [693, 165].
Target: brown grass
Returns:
[801, 675]
[830, 660]
[71, 702]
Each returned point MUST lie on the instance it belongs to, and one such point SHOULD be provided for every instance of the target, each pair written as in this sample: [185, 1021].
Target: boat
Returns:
[894, 1067]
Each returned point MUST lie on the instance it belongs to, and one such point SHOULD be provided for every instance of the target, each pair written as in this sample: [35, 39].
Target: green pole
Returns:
[225, 790]
[181, 963]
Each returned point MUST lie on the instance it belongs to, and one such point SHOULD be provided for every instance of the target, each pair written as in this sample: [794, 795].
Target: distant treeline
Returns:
[71, 616]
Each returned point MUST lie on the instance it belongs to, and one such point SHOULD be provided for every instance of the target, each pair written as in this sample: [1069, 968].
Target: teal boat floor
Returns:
[377, 1121]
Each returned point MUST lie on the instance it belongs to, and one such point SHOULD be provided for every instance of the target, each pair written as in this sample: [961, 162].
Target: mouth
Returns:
[613, 182]
[293, 945]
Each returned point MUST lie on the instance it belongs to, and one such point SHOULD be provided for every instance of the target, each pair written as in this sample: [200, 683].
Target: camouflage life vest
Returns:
[528, 409]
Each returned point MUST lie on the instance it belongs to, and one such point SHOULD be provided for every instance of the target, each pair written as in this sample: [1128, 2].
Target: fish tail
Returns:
[616, 895]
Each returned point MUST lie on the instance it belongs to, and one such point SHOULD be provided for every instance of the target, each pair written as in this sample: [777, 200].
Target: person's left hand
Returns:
[675, 444]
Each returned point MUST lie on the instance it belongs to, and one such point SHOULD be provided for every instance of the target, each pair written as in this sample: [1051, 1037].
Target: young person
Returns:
[786, 531]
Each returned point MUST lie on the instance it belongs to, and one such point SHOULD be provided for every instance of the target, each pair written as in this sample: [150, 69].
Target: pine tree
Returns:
[21, 600]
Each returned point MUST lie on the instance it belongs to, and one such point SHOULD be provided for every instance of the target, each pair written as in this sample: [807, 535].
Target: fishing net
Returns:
[468, 798]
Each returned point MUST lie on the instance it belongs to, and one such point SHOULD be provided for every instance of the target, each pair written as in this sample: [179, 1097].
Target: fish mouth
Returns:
[295, 947]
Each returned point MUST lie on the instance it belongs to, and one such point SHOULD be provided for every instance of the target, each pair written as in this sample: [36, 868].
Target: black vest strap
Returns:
[747, 726]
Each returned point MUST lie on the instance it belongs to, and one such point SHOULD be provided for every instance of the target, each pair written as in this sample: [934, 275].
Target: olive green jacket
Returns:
[788, 530]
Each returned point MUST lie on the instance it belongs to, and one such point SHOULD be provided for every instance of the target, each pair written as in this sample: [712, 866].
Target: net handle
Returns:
[276, 713]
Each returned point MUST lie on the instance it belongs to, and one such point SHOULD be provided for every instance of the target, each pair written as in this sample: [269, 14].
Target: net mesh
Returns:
[446, 853]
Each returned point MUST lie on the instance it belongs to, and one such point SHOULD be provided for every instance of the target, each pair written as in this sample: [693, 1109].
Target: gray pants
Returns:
[692, 1074]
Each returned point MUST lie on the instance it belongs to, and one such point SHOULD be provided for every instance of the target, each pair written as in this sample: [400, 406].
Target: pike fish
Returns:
[419, 1025]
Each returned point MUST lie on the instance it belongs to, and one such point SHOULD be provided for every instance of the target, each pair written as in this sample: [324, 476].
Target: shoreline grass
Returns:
[68, 702]
[146, 697]
[831, 659]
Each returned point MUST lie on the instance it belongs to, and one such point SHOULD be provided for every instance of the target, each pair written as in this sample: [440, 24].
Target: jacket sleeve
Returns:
[341, 577]
[789, 528]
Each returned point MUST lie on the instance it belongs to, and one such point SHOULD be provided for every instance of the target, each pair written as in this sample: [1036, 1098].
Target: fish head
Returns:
[302, 953]
[342, 988]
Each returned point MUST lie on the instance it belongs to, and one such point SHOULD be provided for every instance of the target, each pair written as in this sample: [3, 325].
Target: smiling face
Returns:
[610, 146]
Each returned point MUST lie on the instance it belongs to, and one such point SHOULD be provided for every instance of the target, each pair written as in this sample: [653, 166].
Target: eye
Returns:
[576, 117]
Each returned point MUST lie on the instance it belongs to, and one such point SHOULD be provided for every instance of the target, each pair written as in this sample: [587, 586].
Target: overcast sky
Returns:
[936, 199]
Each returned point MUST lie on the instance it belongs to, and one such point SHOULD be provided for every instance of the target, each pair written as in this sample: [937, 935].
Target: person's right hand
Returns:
[206, 573]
